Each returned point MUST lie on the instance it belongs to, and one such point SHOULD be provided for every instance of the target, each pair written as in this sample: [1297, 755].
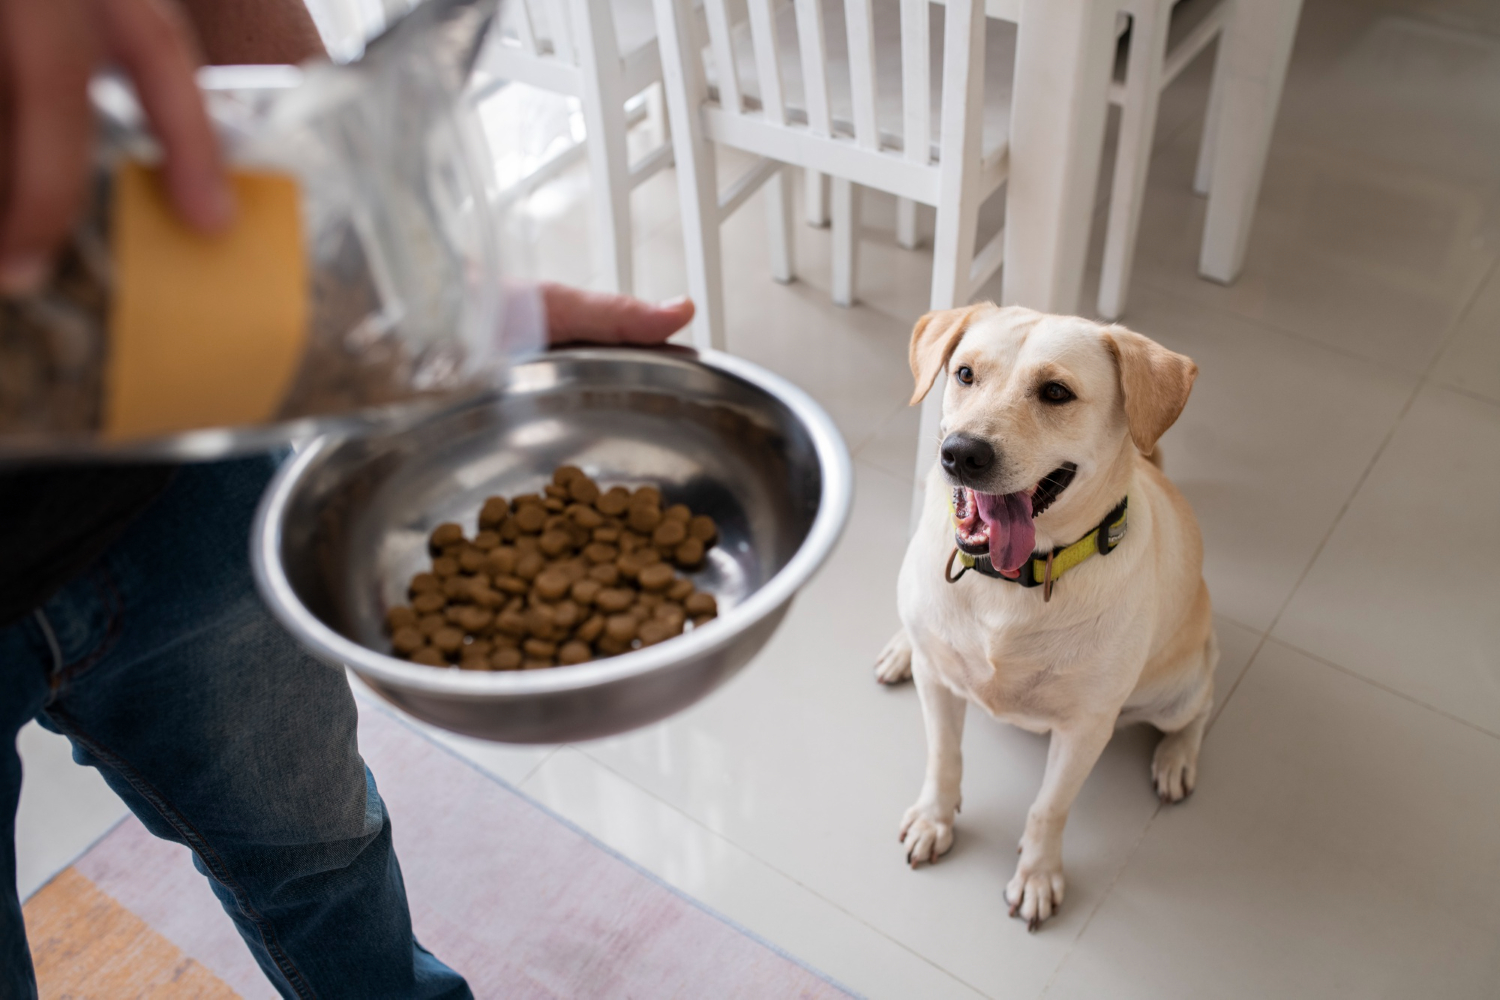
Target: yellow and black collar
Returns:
[1043, 570]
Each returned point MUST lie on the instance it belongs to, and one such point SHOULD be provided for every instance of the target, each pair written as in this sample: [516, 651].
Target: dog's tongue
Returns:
[1012, 533]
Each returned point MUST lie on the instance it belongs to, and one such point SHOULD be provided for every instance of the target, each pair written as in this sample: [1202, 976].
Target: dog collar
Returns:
[1044, 569]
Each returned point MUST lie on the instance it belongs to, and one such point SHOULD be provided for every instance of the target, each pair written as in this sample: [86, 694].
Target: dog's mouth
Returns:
[1000, 526]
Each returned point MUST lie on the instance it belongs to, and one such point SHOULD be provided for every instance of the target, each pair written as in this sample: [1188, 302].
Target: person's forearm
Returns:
[247, 32]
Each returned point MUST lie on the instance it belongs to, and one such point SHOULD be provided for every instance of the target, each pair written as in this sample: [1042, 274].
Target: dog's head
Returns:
[1038, 411]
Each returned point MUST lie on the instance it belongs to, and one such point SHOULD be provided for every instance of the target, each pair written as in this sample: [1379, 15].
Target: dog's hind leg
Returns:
[1174, 766]
[894, 663]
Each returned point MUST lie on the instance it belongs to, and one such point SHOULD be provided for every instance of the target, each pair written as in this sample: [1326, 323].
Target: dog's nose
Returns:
[966, 455]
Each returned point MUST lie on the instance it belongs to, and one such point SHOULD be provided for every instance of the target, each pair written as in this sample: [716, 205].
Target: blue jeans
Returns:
[161, 666]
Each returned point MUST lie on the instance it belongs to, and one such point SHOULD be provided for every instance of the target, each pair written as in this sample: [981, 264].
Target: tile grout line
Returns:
[790, 878]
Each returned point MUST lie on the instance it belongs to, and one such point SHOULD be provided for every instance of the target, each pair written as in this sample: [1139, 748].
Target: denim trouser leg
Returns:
[167, 674]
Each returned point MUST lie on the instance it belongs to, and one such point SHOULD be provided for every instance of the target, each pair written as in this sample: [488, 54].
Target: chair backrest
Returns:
[857, 119]
[543, 27]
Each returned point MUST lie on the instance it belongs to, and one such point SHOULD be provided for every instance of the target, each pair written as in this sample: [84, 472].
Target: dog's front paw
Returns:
[1036, 892]
[894, 663]
[1174, 767]
[927, 832]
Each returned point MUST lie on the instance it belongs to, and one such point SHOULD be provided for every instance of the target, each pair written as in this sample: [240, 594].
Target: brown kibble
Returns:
[453, 612]
[630, 541]
[539, 620]
[536, 664]
[486, 540]
[522, 499]
[574, 652]
[555, 505]
[555, 543]
[407, 640]
[584, 591]
[689, 554]
[501, 562]
[531, 517]
[607, 574]
[584, 490]
[699, 603]
[614, 599]
[656, 577]
[669, 534]
[529, 564]
[680, 589]
[481, 646]
[428, 602]
[525, 544]
[654, 631]
[444, 567]
[703, 528]
[613, 503]
[598, 552]
[555, 491]
[539, 649]
[444, 535]
[494, 511]
[620, 628]
[556, 522]
[672, 613]
[471, 561]
[475, 620]
[400, 617]
[646, 494]
[456, 588]
[448, 640]
[702, 620]
[509, 530]
[429, 657]
[512, 622]
[513, 585]
[585, 516]
[485, 597]
[551, 584]
[564, 474]
[591, 628]
[611, 647]
[425, 581]
[643, 517]
[607, 535]
[565, 614]
[508, 658]
[678, 512]
[428, 625]
[473, 662]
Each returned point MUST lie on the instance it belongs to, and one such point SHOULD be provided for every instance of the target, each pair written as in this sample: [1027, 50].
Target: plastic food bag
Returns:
[395, 305]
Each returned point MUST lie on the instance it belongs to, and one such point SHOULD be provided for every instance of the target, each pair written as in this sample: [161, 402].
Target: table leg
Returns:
[1064, 61]
[1254, 52]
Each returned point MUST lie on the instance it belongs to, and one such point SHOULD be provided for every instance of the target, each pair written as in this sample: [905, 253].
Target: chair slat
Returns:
[859, 24]
[524, 28]
[916, 81]
[763, 38]
[562, 35]
[811, 43]
[720, 43]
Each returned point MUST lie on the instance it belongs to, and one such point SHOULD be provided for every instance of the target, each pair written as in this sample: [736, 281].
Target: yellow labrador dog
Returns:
[1055, 578]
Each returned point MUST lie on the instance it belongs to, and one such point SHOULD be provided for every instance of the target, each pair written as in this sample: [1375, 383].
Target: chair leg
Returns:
[1148, 52]
[778, 193]
[609, 159]
[906, 224]
[1204, 172]
[845, 211]
[815, 195]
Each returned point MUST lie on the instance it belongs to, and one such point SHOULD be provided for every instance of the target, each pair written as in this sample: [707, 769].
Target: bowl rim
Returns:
[833, 511]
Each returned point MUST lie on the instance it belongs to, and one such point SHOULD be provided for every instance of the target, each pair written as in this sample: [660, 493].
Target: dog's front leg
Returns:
[1036, 891]
[927, 827]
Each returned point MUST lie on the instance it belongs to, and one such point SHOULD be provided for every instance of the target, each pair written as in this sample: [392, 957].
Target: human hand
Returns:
[48, 51]
[578, 316]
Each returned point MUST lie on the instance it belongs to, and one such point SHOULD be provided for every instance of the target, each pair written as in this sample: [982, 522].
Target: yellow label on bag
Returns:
[205, 331]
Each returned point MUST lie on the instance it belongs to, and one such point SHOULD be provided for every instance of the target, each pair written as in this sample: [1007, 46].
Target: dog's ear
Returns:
[933, 341]
[1154, 384]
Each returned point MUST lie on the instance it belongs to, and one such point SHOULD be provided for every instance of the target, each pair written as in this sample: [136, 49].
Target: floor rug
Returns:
[519, 901]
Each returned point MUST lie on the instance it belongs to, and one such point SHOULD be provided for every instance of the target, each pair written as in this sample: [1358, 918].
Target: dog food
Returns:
[565, 576]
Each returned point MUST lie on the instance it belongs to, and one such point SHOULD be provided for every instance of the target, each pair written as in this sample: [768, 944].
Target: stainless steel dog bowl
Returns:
[344, 526]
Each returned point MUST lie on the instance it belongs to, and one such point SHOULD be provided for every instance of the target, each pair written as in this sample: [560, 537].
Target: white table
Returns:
[1064, 61]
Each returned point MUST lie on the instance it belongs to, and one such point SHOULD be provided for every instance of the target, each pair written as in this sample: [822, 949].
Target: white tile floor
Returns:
[1341, 450]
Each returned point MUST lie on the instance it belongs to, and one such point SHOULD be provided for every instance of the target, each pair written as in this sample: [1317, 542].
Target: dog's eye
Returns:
[1056, 392]
[965, 374]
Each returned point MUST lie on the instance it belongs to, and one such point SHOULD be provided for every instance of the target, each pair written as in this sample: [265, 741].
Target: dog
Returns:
[1055, 578]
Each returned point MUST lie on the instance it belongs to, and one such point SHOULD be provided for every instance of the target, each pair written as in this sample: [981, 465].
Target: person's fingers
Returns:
[47, 51]
[574, 314]
[153, 43]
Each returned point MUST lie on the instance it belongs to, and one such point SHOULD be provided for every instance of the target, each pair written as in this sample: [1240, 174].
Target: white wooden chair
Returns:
[775, 87]
[603, 52]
